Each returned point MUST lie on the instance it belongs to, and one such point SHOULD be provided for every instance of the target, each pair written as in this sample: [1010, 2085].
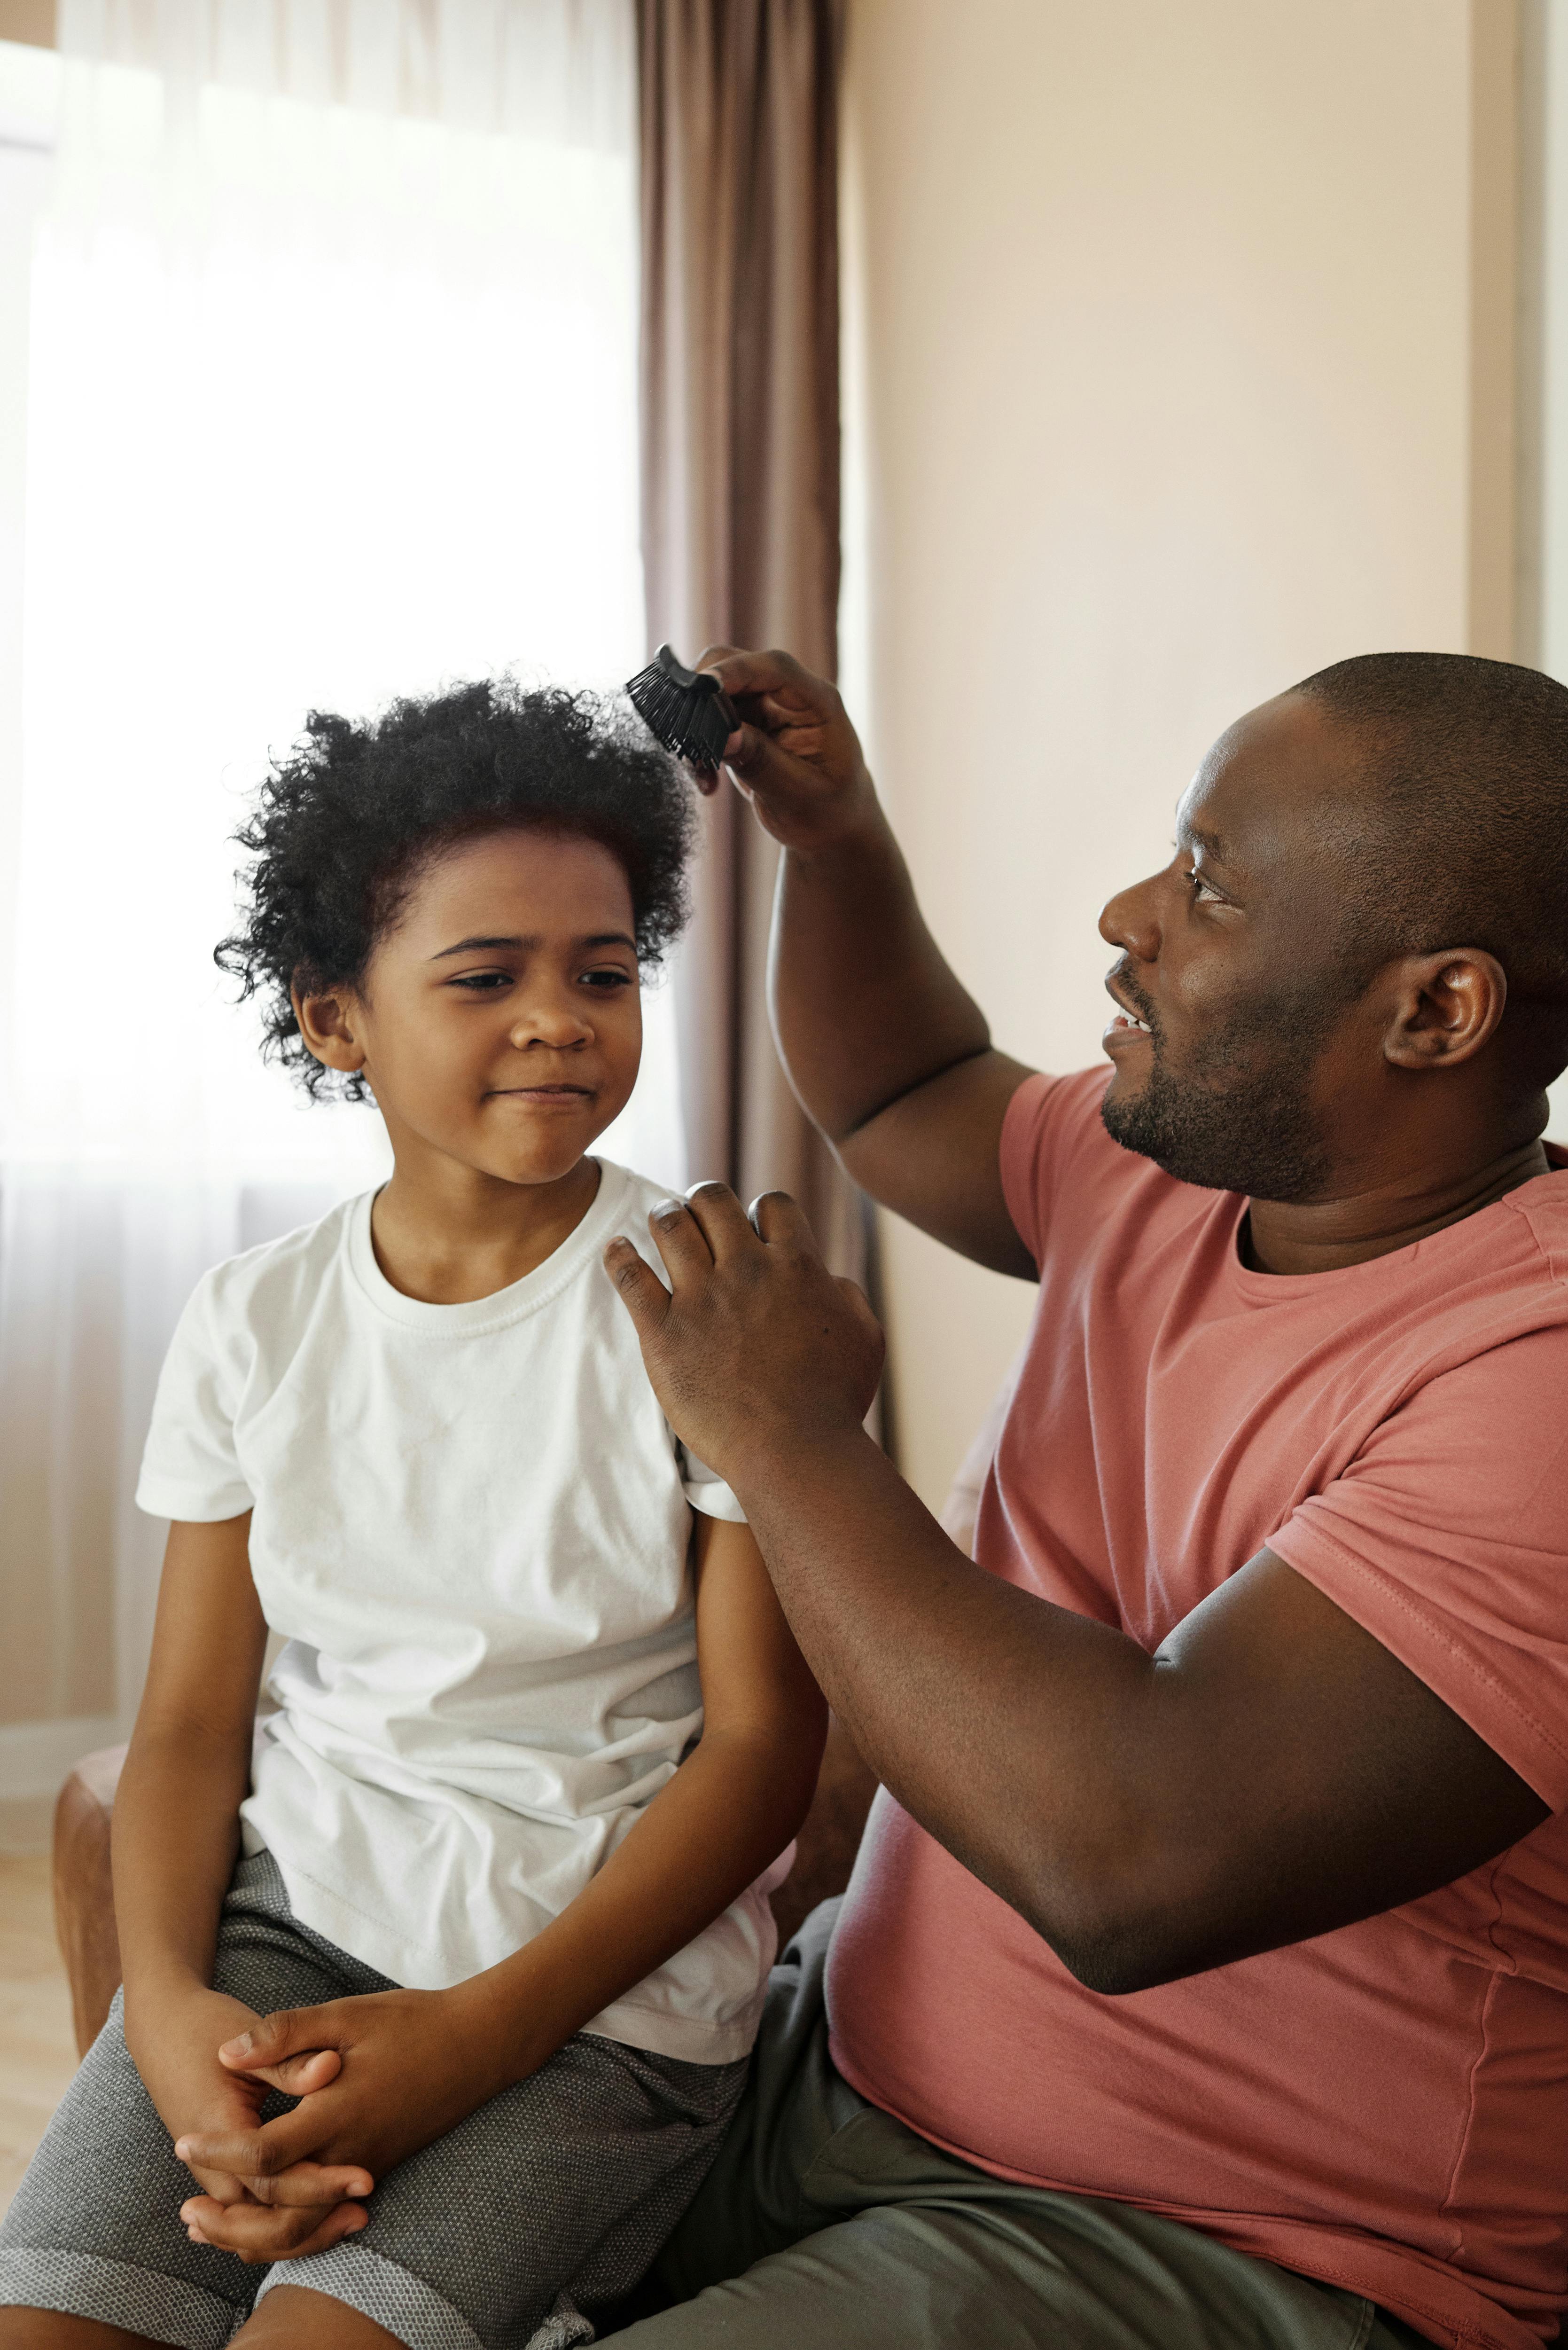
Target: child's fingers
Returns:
[296, 2076]
[287, 2031]
[219, 2184]
[260, 2154]
[304, 2183]
[256, 2234]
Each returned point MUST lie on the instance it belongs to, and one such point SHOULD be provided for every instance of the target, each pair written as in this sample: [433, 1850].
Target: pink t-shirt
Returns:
[1385, 2108]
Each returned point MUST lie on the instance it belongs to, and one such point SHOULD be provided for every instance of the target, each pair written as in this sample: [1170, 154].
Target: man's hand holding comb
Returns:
[795, 755]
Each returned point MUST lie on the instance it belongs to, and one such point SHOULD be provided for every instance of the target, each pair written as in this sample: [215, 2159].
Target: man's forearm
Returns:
[1270, 1772]
[1001, 1723]
[864, 1006]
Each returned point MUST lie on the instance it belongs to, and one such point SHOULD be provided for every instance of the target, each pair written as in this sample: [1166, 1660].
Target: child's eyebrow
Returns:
[528, 946]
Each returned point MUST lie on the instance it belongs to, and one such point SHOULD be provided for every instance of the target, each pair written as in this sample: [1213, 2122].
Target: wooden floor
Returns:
[37, 2054]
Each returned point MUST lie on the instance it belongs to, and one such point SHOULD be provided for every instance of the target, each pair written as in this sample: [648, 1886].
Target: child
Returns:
[498, 1871]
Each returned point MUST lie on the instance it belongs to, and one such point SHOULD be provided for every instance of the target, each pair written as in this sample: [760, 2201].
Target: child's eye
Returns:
[483, 982]
[608, 978]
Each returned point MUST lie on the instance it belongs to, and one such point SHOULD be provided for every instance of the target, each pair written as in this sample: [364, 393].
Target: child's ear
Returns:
[327, 1023]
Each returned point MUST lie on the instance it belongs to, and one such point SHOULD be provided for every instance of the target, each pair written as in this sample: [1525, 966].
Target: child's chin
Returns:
[547, 1161]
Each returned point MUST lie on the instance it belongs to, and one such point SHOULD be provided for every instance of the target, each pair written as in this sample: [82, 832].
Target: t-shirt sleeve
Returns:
[1446, 1539]
[1052, 1124]
[190, 1468]
[708, 1492]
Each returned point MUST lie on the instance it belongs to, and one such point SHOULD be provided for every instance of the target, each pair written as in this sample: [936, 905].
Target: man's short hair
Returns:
[1463, 840]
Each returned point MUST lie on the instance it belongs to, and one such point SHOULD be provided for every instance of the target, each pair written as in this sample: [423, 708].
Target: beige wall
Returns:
[29, 20]
[1160, 323]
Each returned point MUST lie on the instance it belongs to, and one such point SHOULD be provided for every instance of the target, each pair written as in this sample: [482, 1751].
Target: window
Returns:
[324, 402]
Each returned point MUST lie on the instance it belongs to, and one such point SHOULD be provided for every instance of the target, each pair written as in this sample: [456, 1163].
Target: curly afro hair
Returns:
[345, 825]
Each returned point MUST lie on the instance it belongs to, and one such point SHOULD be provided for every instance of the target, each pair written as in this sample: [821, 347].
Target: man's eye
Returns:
[1198, 885]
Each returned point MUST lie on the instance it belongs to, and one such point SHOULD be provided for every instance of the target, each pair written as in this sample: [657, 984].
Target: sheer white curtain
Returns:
[331, 395]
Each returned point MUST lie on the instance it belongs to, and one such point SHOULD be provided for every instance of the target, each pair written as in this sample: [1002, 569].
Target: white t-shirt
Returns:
[472, 1526]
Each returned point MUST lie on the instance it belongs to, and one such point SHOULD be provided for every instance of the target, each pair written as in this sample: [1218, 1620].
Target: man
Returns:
[1204, 1977]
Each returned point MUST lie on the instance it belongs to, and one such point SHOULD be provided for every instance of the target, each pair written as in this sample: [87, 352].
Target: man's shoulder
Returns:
[1542, 1207]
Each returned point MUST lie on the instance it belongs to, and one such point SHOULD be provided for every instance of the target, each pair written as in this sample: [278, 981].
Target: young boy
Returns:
[443, 1995]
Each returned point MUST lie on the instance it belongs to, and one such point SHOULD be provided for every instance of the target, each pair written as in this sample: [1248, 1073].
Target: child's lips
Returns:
[543, 1096]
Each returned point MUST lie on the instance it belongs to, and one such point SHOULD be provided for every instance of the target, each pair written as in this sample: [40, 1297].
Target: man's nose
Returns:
[1130, 920]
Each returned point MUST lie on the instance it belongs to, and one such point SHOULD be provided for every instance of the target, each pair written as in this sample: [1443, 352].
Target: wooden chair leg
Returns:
[84, 1890]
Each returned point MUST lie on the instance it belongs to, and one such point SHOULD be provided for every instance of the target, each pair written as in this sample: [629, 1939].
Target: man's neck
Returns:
[1323, 1235]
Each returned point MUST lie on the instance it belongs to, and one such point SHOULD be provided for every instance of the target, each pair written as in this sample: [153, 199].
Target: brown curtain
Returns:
[740, 494]
[739, 543]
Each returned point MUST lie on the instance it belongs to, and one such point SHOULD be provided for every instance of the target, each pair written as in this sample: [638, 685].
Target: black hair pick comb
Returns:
[688, 710]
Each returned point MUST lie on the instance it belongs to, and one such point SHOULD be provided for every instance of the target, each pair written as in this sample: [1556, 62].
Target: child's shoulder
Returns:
[625, 1202]
[279, 1277]
[632, 1194]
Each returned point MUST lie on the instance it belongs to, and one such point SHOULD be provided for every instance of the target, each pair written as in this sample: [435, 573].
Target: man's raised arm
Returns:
[886, 1049]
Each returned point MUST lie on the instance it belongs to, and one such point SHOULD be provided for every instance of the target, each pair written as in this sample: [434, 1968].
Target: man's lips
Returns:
[1127, 1023]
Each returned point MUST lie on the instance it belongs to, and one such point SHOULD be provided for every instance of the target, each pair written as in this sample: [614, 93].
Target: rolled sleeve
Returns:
[1446, 1539]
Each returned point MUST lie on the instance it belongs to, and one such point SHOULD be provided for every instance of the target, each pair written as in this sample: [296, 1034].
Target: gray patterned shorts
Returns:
[556, 2193]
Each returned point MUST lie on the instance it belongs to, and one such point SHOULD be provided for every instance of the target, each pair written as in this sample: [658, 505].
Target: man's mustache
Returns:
[1121, 978]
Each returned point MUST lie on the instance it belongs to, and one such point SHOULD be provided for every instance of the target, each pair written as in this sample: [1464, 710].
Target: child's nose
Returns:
[558, 1024]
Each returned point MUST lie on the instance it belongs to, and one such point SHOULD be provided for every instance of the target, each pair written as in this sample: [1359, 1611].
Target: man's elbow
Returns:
[1116, 1963]
[1116, 1939]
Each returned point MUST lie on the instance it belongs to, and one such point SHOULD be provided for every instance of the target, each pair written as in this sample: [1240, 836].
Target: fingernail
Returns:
[183, 2150]
[239, 2046]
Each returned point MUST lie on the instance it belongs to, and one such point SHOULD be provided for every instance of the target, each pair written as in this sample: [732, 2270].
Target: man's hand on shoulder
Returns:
[754, 1336]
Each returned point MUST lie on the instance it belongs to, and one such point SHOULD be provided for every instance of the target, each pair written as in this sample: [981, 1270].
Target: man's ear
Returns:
[329, 1023]
[1446, 1007]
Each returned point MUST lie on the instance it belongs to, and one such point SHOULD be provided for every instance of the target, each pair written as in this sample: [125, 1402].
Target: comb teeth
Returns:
[686, 711]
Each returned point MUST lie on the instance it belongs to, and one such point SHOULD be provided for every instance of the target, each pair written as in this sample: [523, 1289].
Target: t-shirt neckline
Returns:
[1263, 1288]
[503, 1306]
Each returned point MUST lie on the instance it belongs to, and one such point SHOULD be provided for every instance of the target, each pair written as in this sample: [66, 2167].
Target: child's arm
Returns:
[176, 1833]
[415, 2062]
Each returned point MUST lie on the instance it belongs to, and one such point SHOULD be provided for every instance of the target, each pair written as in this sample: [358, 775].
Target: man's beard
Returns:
[1243, 1118]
